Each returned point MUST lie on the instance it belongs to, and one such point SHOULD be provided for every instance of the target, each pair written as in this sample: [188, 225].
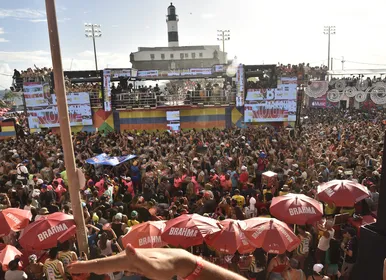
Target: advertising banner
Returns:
[319, 102]
[271, 111]
[36, 94]
[272, 105]
[47, 117]
[107, 91]
[173, 115]
[147, 74]
[42, 109]
[240, 85]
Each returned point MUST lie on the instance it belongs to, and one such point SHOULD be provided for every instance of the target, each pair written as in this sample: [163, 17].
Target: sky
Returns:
[262, 31]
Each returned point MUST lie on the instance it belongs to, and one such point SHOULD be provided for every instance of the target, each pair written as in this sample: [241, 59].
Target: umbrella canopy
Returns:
[14, 219]
[44, 233]
[8, 254]
[145, 235]
[230, 239]
[296, 209]
[342, 192]
[189, 230]
[272, 235]
[67, 234]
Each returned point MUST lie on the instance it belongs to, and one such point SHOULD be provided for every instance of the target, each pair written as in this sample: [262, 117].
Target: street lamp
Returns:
[329, 30]
[93, 31]
[223, 35]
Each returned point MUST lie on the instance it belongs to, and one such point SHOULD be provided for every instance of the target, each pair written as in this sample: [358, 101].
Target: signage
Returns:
[147, 73]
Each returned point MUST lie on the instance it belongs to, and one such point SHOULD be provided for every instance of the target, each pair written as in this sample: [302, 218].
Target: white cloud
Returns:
[38, 20]
[115, 26]
[86, 54]
[22, 13]
[3, 40]
[1, 30]
[45, 20]
[27, 58]
[207, 16]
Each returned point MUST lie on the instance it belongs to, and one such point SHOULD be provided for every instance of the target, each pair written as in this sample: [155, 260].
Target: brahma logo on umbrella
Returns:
[51, 231]
[301, 210]
[13, 218]
[286, 235]
[330, 192]
[149, 240]
[259, 231]
[186, 232]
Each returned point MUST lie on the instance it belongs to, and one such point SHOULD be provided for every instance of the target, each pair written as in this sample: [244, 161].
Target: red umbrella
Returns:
[44, 233]
[67, 234]
[8, 254]
[296, 209]
[189, 230]
[230, 239]
[342, 192]
[272, 235]
[145, 235]
[14, 219]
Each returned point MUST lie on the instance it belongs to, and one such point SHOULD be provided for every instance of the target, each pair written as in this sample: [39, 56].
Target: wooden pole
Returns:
[65, 129]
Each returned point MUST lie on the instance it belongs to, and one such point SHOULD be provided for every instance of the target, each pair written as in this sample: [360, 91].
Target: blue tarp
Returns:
[105, 159]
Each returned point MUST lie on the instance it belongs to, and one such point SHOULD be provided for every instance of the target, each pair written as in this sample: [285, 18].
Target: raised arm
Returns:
[156, 264]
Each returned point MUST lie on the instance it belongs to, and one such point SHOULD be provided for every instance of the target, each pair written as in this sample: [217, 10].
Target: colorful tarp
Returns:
[105, 159]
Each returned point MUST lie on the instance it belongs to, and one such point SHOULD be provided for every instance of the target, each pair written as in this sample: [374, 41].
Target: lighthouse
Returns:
[172, 21]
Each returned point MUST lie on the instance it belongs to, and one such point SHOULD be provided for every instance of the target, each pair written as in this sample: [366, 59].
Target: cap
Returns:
[134, 214]
[32, 258]
[318, 267]
[243, 168]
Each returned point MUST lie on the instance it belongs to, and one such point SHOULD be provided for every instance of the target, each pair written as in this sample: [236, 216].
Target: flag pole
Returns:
[65, 129]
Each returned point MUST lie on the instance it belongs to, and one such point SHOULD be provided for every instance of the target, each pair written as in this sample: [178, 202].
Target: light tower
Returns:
[172, 21]
[93, 31]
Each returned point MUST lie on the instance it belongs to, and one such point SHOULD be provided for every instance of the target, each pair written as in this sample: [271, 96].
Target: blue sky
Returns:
[262, 31]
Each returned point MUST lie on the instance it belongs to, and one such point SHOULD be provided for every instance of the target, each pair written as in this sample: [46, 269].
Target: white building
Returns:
[174, 56]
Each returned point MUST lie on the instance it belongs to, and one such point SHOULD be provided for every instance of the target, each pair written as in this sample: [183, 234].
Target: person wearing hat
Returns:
[133, 219]
[243, 178]
[317, 272]
[34, 269]
[285, 190]
[350, 249]
[13, 272]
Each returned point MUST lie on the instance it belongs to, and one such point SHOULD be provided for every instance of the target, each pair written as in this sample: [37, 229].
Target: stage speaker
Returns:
[372, 252]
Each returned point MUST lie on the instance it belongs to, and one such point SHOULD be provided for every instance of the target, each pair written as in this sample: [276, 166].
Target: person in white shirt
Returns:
[251, 210]
[13, 273]
[324, 241]
[22, 172]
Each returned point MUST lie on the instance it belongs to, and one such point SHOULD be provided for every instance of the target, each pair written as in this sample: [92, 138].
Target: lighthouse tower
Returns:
[172, 21]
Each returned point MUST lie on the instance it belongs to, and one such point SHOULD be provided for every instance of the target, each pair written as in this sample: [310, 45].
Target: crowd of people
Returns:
[215, 173]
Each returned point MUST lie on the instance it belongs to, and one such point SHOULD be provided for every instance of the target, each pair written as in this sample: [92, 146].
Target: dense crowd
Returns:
[215, 172]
